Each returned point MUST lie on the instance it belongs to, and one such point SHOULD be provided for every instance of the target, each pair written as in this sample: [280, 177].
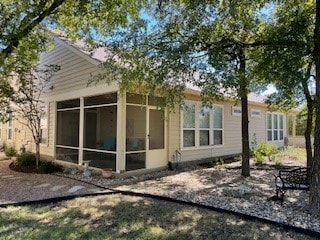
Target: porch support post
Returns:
[121, 134]
[53, 131]
[81, 131]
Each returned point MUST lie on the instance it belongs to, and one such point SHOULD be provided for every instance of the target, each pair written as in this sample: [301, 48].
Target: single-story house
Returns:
[129, 132]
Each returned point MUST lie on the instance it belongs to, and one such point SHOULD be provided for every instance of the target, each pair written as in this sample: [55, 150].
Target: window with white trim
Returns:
[217, 125]
[202, 125]
[189, 125]
[10, 128]
[275, 127]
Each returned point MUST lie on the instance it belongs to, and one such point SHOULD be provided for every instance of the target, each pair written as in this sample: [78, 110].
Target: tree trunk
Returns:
[37, 154]
[310, 107]
[315, 169]
[307, 134]
[244, 116]
[245, 137]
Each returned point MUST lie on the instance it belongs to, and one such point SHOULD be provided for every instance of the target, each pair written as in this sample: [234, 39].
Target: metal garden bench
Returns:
[292, 179]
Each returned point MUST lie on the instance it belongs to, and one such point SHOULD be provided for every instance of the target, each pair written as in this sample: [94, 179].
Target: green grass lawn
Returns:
[124, 217]
[295, 154]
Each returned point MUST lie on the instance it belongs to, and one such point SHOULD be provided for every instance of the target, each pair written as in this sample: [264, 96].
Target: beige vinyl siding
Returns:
[231, 133]
[174, 133]
[48, 148]
[70, 80]
[257, 125]
[74, 73]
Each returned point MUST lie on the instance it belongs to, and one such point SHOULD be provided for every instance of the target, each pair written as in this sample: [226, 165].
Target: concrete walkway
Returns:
[17, 187]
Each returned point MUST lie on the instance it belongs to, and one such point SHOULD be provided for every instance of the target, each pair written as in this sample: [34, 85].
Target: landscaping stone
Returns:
[222, 188]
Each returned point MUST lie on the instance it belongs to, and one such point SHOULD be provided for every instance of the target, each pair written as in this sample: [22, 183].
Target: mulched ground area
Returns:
[223, 188]
[19, 187]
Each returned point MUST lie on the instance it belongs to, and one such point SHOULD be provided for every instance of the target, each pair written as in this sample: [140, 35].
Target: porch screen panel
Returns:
[135, 137]
[135, 128]
[67, 138]
[68, 128]
[100, 128]
[67, 154]
[100, 159]
[135, 161]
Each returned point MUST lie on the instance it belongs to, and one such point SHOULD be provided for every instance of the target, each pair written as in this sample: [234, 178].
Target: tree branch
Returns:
[25, 30]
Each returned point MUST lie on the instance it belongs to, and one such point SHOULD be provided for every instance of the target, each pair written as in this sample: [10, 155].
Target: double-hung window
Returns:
[275, 127]
[202, 125]
[189, 125]
[10, 128]
[217, 125]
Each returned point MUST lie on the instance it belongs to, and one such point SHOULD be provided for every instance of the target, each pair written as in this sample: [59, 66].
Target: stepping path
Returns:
[20, 187]
[75, 189]
[42, 185]
[7, 176]
[57, 187]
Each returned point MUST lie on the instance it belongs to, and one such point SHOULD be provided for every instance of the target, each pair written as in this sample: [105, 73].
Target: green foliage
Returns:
[254, 142]
[26, 159]
[49, 167]
[265, 150]
[219, 164]
[301, 122]
[278, 160]
[259, 158]
[10, 151]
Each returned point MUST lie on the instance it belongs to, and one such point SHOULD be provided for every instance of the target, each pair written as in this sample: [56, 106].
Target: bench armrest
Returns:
[279, 182]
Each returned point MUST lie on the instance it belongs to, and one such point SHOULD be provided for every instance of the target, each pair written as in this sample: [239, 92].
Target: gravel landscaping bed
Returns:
[222, 188]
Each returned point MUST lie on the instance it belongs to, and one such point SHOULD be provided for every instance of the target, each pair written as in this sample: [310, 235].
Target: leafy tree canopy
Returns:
[23, 25]
[188, 42]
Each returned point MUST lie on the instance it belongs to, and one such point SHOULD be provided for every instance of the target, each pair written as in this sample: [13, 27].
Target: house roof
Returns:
[100, 54]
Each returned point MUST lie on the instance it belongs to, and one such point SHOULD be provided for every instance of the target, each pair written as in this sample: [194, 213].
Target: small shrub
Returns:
[219, 164]
[260, 159]
[266, 149]
[49, 167]
[26, 159]
[278, 160]
[10, 151]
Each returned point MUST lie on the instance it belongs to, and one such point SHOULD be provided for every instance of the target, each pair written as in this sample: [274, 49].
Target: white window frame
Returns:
[10, 128]
[218, 129]
[197, 129]
[273, 129]
[196, 125]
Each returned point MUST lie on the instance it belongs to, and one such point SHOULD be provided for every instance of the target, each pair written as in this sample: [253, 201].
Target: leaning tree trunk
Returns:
[244, 117]
[315, 169]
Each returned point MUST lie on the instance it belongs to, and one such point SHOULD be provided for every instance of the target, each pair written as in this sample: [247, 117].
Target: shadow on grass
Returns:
[124, 217]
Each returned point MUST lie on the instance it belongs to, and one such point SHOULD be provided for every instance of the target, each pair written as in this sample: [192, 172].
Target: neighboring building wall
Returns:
[299, 141]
